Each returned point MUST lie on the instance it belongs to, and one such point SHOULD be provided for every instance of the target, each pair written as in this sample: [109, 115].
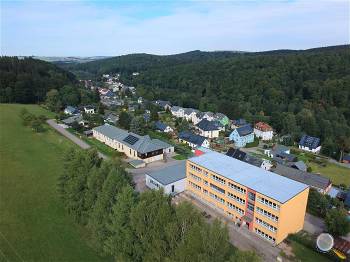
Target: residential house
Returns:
[210, 116]
[208, 128]
[197, 118]
[140, 100]
[190, 114]
[172, 179]
[318, 182]
[111, 118]
[223, 119]
[310, 143]
[193, 140]
[263, 202]
[73, 119]
[133, 145]
[177, 111]
[300, 165]
[238, 123]
[89, 109]
[242, 156]
[70, 110]
[242, 135]
[163, 104]
[263, 131]
[160, 126]
[281, 154]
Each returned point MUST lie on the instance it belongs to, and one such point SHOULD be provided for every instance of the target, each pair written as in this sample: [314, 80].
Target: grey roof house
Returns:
[131, 144]
[320, 183]
[193, 140]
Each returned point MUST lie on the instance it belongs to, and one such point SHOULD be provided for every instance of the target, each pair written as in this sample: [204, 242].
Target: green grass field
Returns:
[33, 223]
[337, 174]
[305, 254]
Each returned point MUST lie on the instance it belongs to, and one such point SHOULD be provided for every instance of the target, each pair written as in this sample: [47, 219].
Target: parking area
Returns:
[138, 174]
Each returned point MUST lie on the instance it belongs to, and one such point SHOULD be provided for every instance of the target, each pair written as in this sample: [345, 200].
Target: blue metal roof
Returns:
[192, 138]
[267, 183]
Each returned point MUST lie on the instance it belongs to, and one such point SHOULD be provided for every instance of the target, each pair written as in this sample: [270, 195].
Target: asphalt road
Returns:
[71, 137]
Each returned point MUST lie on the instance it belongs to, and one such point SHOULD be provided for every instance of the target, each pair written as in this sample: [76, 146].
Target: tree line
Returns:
[295, 91]
[137, 227]
[28, 80]
[331, 210]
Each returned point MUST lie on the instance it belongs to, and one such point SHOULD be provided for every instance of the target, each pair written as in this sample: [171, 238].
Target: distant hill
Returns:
[27, 80]
[68, 59]
[296, 91]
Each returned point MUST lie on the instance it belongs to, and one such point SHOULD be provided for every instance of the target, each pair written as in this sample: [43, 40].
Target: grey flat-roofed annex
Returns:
[267, 183]
[170, 174]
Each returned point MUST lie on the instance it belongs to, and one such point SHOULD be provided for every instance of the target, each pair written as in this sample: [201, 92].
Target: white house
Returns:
[190, 114]
[163, 127]
[177, 111]
[89, 109]
[172, 179]
[70, 110]
[263, 131]
[193, 140]
[208, 129]
[310, 144]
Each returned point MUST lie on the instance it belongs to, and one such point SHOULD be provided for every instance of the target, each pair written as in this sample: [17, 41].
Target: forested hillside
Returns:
[28, 80]
[295, 91]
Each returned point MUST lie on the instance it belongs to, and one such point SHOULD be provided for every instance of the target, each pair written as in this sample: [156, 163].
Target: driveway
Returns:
[313, 225]
[71, 137]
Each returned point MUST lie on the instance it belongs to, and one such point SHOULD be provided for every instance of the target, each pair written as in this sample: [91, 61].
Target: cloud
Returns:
[91, 28]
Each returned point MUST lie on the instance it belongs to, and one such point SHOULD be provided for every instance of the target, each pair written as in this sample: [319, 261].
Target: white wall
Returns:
[263, 135]
[179, 186]
[316, 150]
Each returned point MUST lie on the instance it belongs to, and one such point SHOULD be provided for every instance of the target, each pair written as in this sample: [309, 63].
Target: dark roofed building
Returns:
[193, 140]
[236, 153]
[208, 128]
[310, 143]
[242, 156]
[320, 183]
[163, 127]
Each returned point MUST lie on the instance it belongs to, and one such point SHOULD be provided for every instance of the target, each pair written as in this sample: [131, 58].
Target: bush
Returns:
[255, 143]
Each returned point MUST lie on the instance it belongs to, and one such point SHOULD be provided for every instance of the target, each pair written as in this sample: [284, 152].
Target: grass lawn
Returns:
[337, 174]
[305, 254]
[33, 223]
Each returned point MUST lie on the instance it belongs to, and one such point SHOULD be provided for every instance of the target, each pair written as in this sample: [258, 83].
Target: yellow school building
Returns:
[268, 204]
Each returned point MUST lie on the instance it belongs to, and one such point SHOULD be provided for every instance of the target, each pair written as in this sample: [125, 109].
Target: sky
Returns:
[110, 28]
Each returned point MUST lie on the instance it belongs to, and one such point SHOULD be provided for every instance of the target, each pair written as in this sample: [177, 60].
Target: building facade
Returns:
[267, 204]
[242, 136]
[263, 131]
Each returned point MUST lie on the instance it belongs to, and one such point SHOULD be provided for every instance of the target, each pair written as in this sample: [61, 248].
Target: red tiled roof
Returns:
[263, 126]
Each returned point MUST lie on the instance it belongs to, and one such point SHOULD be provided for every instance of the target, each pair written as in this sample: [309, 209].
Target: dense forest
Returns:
[131, 226]
[296, 92]
[28, 80]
